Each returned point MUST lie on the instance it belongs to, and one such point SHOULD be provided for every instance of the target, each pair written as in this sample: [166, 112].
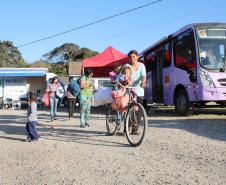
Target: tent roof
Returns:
[107, 58]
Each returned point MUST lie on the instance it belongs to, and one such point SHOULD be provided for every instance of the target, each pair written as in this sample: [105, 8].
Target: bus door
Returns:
[157, 76]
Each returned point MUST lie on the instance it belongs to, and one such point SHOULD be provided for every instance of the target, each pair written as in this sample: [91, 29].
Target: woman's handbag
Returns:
[45, 99]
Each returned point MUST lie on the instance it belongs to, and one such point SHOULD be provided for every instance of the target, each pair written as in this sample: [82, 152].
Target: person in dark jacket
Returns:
[72, 96]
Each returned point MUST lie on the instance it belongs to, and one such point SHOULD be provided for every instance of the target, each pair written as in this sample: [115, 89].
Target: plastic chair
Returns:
[16, 104]
[39, 102]
[1, 103]
[7, 103]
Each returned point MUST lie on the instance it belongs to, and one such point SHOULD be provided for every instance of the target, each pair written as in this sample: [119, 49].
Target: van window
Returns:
[104, 82]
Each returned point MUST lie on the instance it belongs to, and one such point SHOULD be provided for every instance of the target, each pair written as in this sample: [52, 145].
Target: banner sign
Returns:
[15, 87]
[1, 87]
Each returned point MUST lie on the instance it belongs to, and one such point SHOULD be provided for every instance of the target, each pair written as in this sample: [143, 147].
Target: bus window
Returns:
[184, 51]
[167, 55]
[149, 59]
[213, 53]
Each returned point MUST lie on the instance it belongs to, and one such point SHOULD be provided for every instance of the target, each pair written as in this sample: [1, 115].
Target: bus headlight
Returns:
[206, 80]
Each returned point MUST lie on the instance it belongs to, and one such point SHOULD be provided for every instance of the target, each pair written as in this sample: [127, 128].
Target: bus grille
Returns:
[222, 80]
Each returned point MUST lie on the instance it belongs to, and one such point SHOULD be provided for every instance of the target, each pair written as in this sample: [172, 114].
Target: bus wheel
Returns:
[182, 104]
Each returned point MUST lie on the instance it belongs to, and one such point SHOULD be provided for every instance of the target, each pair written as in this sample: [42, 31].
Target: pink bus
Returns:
[187, 68]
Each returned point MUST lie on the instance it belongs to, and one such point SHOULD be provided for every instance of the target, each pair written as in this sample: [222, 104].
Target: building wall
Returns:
[75, 68]
[36, 83]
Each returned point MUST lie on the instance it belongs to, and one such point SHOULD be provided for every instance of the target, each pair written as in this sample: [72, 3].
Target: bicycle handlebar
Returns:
[128, 87]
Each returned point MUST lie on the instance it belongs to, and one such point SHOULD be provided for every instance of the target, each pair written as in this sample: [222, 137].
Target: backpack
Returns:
[74, 87]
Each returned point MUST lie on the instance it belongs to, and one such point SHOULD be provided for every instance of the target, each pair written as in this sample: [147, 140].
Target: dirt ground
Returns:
[177, 150]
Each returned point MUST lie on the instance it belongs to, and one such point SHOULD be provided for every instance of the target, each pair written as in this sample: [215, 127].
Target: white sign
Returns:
[15, 87]
[1, 87]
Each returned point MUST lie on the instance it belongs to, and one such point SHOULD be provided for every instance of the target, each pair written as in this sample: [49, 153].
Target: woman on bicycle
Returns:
[135, 117]
[138, 75]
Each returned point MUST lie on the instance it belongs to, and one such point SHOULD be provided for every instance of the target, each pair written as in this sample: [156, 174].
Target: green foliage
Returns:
[58, 69]
[86, 53]
[62, 53]
[56, 60]
[40, 64]
[60, 56]
[10, 56]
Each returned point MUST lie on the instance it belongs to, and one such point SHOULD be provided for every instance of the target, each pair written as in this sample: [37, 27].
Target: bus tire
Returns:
[182, 104]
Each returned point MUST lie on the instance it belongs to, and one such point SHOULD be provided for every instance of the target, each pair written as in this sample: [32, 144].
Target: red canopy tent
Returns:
[103, 63]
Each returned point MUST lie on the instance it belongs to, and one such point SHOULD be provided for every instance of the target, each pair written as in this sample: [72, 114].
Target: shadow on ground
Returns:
[210, 128]
[65, 133]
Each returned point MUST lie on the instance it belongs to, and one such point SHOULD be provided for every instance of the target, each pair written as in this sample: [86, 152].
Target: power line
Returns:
[92, 23]
[197, 11]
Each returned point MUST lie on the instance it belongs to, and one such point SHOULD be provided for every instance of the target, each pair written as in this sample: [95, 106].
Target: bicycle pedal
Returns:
[118, 127]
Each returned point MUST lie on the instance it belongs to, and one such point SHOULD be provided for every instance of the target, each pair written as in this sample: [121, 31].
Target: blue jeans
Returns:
[53, 106]
[85, 105]
[119, 117]
[31, 130]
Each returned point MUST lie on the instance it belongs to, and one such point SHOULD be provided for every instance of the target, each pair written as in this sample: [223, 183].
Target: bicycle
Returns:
[134, 118]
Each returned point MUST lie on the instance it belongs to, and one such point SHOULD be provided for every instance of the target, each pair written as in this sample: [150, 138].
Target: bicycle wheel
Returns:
[111, 117]
[136, 124]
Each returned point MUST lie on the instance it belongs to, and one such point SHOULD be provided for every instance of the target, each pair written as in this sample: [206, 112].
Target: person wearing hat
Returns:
[85, 97]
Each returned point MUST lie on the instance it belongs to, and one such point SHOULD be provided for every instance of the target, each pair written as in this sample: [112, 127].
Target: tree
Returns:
[60, 57]
[86, 53]
[40, 64]
[10, 56]
[62, 53]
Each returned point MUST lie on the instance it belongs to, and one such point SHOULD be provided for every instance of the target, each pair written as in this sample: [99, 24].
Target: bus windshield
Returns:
[212, 49]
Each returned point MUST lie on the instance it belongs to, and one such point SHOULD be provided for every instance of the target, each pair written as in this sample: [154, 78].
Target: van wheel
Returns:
[182, 105]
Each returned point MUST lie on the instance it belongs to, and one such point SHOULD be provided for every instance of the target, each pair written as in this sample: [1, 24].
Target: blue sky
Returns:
[27, 20]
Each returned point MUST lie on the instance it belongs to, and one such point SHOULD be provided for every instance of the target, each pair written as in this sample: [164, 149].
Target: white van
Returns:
[98, 81]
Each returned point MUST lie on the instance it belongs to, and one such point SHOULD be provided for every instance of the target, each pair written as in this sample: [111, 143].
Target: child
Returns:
[126, 79]
[120, 97]
[117, 70]
[32, 134]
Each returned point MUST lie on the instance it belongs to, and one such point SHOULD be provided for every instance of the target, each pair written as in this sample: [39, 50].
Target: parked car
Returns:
[98, 82]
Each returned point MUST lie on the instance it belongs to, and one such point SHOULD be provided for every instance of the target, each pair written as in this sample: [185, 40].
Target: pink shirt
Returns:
[51, 88]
